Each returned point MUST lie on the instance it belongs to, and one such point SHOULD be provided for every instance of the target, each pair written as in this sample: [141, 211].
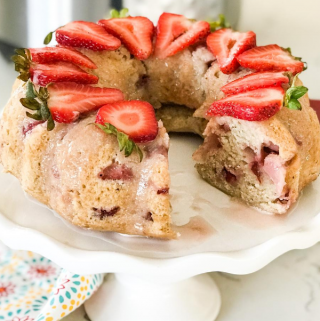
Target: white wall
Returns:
[288, 23]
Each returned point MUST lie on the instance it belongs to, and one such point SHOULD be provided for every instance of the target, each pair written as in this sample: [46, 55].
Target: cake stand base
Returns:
[124, 298]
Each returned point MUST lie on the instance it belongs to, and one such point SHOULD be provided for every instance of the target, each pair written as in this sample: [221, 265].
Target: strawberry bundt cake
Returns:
[93, 144]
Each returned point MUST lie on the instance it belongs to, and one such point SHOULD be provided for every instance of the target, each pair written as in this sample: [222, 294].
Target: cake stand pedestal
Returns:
[123, 297]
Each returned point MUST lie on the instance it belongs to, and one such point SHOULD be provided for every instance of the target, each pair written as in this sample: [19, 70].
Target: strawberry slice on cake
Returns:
[68, 100]
[54, 54]
[227, 45]
[256, 105]
[135, 118]
[175, 33]
[271, 57]
[43, 74]
[83, 34]
[255, 81]
[134, 32]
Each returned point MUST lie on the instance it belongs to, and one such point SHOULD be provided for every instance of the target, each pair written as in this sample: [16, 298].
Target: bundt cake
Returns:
[93, 145]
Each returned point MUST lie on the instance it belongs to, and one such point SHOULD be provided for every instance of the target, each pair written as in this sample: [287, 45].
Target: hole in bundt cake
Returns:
[225, 127]
[229, 177]
[163, 190]
[102, 213]
[142, 81]
[284, 199]
[148, 217]
[209, 63]
[266, 150]
[255, 167]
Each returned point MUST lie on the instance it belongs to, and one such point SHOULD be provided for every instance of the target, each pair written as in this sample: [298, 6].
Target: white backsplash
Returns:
[288, 23]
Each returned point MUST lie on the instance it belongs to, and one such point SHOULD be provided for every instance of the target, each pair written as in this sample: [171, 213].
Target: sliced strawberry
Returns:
[135, 118]
[254, 81]
[226, 45]
[54, 54]
[68, 100]
[176, 32]
[89, 35]
[42, 75]
[271, 57]
[134, 32]
[255, 105]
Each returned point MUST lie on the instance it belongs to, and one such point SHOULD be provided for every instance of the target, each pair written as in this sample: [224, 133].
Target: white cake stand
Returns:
[162, 280]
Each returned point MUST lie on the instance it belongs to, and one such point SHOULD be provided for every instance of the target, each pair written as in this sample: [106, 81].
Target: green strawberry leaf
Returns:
[22, 62]
[126, 145]
[298, 92]
[30, 103]
[45, 112]
[37, 101]
[50, 124]
[294, 104]
[123, 13]
[30, 90]
[35, 116]
[219, 23]
[48, 38]
[293, 94]
[21, 52]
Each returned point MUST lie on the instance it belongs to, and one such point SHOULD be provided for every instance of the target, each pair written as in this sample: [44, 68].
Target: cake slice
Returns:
[264, 163]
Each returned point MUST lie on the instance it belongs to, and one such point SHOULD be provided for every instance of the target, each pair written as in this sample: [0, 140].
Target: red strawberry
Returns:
[135, 118]
[89, 35]
[271, 57]
[255, 105]
[176, 32]
[54, 54]
[42, 75]
[254, 81]
[226, 45]
[134, 32]
[68, 100]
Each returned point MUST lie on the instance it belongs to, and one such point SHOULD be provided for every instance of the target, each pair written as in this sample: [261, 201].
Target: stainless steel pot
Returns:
[25, 23]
